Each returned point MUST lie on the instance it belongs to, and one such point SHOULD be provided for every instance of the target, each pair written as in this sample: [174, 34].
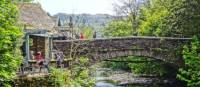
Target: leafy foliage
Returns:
[77, 76]
[87, 32]
[153, 25]
[116, 65]
[191, 72]
[172, 18]
[118, 28]
[184, 19]
[138, 65]
[149, 67]
[60, 77]
[10, 35]
[130, 9]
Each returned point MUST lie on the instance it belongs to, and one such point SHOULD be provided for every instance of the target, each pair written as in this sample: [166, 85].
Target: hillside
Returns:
[96, 22]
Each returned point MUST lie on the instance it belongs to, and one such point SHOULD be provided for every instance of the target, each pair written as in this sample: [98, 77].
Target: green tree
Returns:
[149, 66]
[153, 17]
[87, 32]
[10, 35]
[183, 20]
[130, 9]
[171, 18]
[118, 28]
[191, 71]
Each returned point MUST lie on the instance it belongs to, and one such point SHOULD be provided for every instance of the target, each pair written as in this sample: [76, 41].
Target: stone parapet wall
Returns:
[161, 48]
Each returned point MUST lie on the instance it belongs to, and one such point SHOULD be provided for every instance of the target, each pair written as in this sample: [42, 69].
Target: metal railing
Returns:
[34, 68]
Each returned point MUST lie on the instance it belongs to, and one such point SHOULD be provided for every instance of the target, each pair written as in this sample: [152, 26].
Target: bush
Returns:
[190, 73]
[10, 41]
[77, 76]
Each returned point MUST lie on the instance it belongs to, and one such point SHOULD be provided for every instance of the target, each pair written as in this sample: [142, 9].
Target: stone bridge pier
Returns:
[166, 49]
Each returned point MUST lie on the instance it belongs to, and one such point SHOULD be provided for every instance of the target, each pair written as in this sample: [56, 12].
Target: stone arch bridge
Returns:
[166, 49]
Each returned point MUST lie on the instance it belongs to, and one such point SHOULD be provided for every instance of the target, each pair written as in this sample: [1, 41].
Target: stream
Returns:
[106, 77]
[102, 78]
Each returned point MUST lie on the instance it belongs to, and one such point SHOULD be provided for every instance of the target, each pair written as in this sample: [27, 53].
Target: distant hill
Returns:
[96, 22]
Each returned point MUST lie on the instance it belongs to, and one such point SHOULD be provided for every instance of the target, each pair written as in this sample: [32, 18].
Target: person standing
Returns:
[77, 36]
[81, 36]
[32, 57]
[58, 60]
[95, 34]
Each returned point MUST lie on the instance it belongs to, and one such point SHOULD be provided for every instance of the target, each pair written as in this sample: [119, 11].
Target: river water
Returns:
[106, 77]
[102, 78]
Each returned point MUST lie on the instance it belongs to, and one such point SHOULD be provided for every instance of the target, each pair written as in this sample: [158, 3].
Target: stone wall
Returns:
[38, 44]
[161, 48]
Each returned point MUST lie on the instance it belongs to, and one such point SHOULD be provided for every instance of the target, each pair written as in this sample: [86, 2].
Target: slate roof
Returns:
[36, 20]
[32, 15]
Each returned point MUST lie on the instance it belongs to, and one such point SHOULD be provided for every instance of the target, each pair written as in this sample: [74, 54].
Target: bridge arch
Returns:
[166, 49]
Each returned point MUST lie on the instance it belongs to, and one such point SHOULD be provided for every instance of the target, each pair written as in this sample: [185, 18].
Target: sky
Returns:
[77, 6]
